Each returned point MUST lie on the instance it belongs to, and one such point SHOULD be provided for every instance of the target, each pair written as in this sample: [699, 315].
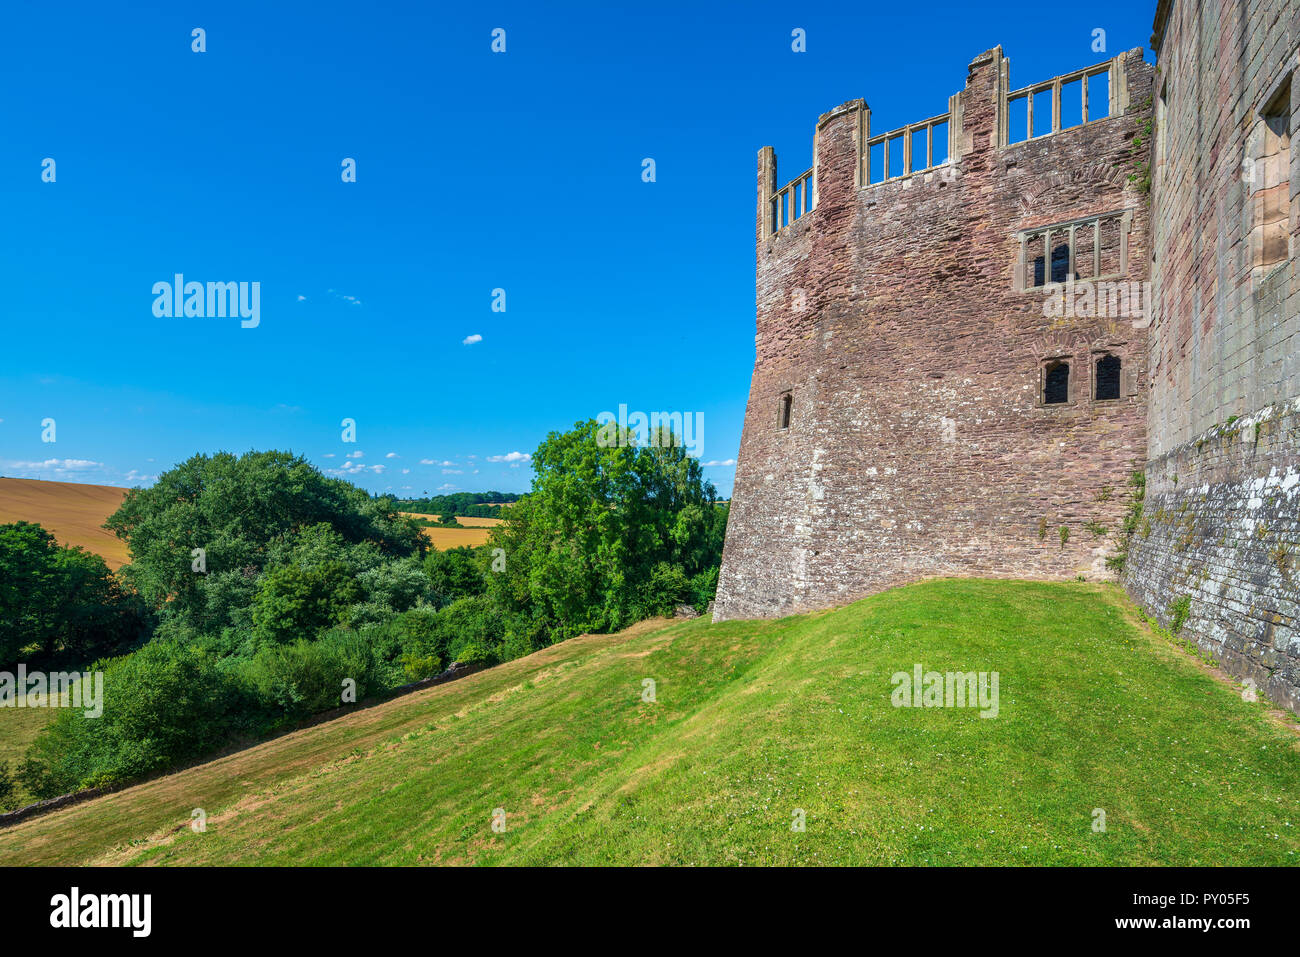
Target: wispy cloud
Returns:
[356, 468]
[470, 340]
[719, 463]
[55, 465]
[345, 297]
[514, 458]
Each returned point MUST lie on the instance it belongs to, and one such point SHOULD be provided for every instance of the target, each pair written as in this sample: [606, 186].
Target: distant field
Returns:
[444, 538]
[474, 533]
[469, 521]
[73, 513]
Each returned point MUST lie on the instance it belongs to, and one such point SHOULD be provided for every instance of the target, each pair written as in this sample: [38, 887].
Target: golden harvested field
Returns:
[469, 521]
[444, 538]
[71, 512]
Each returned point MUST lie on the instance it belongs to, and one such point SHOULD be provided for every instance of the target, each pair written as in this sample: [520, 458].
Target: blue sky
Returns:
[475, 171]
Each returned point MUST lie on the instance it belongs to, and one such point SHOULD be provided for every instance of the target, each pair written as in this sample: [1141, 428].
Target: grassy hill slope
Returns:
[753, 721]
[73, 513]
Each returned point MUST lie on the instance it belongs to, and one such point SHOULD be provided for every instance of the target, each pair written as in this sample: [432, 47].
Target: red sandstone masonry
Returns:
[918, 444]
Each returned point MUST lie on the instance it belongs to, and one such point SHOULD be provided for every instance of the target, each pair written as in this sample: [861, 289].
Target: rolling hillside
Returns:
[73, 513]
[753, 723]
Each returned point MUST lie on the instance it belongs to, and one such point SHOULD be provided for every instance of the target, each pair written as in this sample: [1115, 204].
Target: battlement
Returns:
[1029, 113]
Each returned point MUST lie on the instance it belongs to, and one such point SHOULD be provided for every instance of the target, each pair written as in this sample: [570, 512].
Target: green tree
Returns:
[296, 602]
[455, 573]
[246, 513]
[60, 603]
[609, 533]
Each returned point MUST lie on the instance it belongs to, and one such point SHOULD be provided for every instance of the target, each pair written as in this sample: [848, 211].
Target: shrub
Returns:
[162, 704]
[296, 602]
[472, 653]
[419, 667]
[666, 588]
[455, 573]
[704, 587]
[7, 801]
[1179, 611]
[300, 679]
[399, 585]
[470, 626]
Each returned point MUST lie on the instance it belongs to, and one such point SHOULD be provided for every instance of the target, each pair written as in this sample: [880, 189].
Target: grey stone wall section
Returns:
[1226, 335]
[1222, 519]
[1221, 526]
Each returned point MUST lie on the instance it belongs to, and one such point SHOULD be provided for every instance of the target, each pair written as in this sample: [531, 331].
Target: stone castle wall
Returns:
[892, 315]
[1220, 536]
[1221, 528]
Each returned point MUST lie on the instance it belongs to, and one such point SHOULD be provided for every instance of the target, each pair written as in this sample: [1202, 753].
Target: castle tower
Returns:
[1218, 551]
[937, 388]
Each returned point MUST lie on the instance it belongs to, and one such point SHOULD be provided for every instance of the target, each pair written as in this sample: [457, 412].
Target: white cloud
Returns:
[447, 488]
[328, 455]
[302, 298]
[346, 298]
[452, 472]
[356, 455]
[719, 464]
[406, 472]
[428, 462]
[512, 457]
[470, 340]
[392, 455]
[58, 465]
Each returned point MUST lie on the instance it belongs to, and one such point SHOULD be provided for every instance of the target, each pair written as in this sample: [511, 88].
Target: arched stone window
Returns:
[1056, 383]
[1108, 377]
[1060, 266]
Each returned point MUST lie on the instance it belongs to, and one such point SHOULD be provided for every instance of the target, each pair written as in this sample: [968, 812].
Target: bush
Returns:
[472, 653]
[162, 705]
[300, 679]
[7, 801]
[471, 626]
[667, 588]
[295, 602]
[399, 585]
[704, 587]
[455, 573]
[419, 667]
[1179, 611]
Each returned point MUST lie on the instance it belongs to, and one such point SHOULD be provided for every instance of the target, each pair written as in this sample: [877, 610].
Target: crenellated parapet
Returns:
[932, 145]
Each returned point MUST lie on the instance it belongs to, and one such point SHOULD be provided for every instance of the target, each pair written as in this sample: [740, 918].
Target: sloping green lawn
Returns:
[753, 723]
[18, 729]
